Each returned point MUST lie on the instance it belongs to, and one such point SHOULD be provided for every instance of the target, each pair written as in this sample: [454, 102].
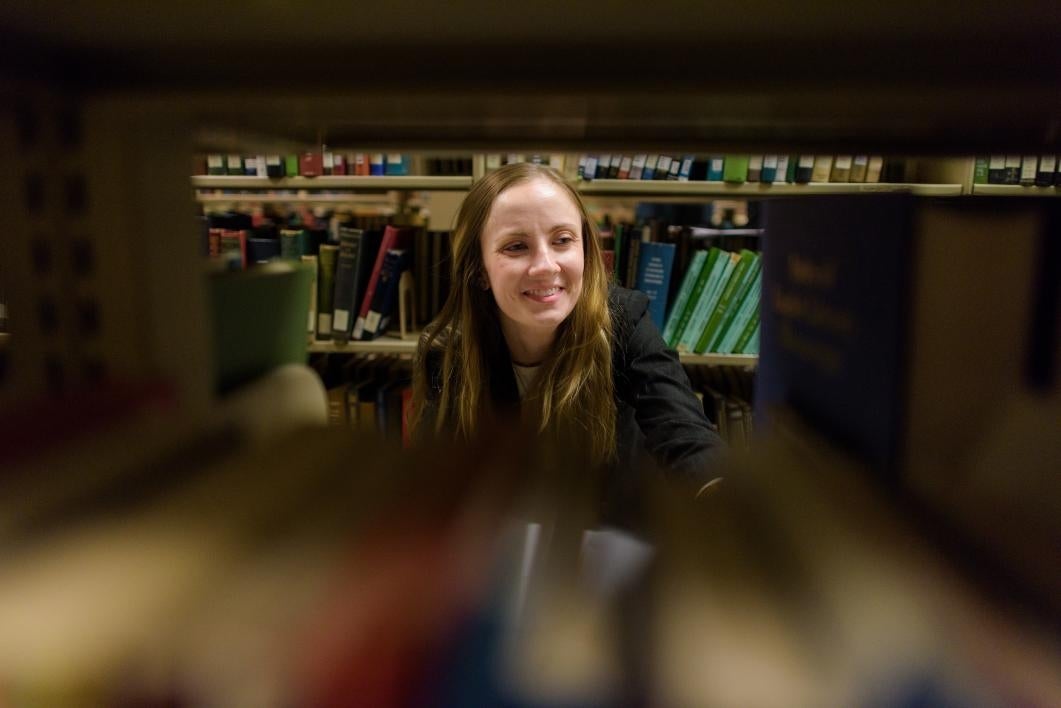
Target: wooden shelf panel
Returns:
[345, 182]
[1015, 190]
[757, 189]
[308, 199]
[392, 344]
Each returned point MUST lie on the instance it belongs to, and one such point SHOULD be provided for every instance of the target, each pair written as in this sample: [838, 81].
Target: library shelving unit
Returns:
[648, 188]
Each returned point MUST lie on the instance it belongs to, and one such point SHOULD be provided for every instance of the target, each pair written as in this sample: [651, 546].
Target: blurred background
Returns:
[207, 496]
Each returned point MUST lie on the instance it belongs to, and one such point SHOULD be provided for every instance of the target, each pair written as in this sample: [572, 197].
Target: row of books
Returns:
[727, 393]
[370, 394]
[738, 169]
[1025, 170]
[310, 163]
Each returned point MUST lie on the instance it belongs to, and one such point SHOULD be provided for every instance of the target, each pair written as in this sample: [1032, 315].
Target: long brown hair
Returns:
[574, 393]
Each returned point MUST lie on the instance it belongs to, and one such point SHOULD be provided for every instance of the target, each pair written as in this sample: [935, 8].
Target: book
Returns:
[624, 167]
[650, 167]
[1044, 176]
[755, 168]
[233, 248]
[735, 169]
[822, 168]
[715, 168]
[681, 301]
[262, 250]
[393, 237]
[385, 298]
[655, 263]
[804, 169]
[311, 264]
[234, 165]
[713, 254]
[1011, 173]
[879, 341]
[859, 165]
[996, 169]
[376, 164]
[327, 258]
[674, 173]
[685, 169]
[637, 166]
[732, 331]
[291, 166]
[769, 173]
[215, 164]
[751, 327]
[274, 166]
[980, 170]
[291, 244]
[311, 164]
[841, 169]
[737, 279]
[346, 283]
[873, 168]
[717, 278]
[663, 167]
[1029, 165]
[613, 167]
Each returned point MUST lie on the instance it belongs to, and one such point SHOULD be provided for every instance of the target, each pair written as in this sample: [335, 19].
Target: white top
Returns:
[525, 376]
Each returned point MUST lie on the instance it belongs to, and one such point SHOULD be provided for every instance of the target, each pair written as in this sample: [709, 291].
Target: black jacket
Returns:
[658, 417]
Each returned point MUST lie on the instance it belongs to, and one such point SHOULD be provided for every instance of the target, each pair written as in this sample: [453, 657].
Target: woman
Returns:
[532, 328]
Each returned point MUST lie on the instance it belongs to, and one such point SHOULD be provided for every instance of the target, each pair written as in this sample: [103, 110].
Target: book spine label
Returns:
[755, 168]
[1047, 167]
[637, 166]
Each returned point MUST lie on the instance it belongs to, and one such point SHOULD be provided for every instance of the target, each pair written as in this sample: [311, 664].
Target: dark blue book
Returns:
[896, 326]
[654, 265]
[347, 276]
[385, 298]
[262, 250]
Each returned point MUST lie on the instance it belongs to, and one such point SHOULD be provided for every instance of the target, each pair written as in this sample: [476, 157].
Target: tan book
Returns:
[858, 168]
[841, 169]
[823, 166]
[873, 168]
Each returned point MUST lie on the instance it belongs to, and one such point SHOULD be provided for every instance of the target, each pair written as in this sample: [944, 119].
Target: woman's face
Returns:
[533, 254]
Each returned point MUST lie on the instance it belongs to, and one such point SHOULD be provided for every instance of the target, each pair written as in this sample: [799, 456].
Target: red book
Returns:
[339, 165]
[393, 237]
[214, 240]
[311, 164]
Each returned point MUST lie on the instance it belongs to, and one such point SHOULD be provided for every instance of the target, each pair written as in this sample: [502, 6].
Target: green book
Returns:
[736, 279]
[692, 274]
[753, 343]
[327, 258]
[750, 328]
[290, 244]
[291, 165]
[734, 306]
[735, 169]
[713, 256]
[749, 303]
[980, 171]
[698, 320]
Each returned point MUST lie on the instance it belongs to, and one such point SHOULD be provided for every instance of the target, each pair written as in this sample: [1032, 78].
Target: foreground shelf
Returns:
[1015, 190]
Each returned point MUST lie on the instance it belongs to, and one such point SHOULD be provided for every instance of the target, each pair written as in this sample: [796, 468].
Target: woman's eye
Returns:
[514, 247]
[565, 239]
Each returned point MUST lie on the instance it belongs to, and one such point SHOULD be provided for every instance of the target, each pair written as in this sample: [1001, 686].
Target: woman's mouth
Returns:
[543, 294]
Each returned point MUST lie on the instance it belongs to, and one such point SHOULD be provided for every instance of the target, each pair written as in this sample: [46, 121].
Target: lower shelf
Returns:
[393, 344]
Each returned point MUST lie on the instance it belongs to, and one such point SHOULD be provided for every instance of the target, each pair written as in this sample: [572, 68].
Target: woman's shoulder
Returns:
[627, 306]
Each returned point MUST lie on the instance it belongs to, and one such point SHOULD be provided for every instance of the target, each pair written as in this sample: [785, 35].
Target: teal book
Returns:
[743, 345]
[681, 300]
[736, 279]
[733, 306]
[720, 273]
[713, 255]
[727, 343]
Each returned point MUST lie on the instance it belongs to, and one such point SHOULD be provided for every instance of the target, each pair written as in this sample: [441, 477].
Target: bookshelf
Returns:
[1014, 190]
[648, 188]
[421, 182]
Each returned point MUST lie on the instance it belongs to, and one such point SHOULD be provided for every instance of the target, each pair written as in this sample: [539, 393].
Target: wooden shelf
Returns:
[1015, 190]
[392, 344]
[350, 183]
[756, 189]
[308, 199]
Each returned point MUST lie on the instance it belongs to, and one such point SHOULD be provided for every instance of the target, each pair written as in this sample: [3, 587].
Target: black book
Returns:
[347, 275]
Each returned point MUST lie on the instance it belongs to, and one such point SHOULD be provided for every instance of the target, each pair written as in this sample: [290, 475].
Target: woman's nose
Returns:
[543, 263]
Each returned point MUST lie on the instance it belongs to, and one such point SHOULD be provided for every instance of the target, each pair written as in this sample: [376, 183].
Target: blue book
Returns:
[655, 262]
[892, 344]
[715, 165]
[385, 299]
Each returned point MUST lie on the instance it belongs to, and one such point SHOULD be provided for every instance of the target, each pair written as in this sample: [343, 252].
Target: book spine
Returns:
[650, 167]
[735, 169]
[663, 167]
[390, 236]
[274, 166]
[386, 293]
[731, 308]
[694, 298]
[346, 272]
[215, 164]
[996, 169]
[685, 170]
[376, 164]
[681, 301]
[822, 168]
[755, 168]
[873, 168]
[719, 274]
[750, 327]
[1011, 174]
[311, 319]
[326, 290]
[749, 301]
[234, 165]
[633, 254]
[1029, 165]
[859, 165]
[726, 294]
[613, 167]
[769, 172]
[624, 167]
[589, 170]
[715, 168]
[637, 166]
[653, 277]
[674, 173]
[980, 171]
[841, 169]
[1044, 176]
[804, 169]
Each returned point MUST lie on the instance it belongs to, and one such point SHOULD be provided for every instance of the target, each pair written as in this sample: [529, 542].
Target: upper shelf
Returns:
[332, 182]
[758, 189]
[1015, 190]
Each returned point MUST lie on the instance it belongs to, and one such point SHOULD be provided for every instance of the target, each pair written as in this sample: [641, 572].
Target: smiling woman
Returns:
[533, 333]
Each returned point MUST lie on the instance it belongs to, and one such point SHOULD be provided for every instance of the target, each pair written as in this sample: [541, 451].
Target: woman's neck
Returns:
[527, 348]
